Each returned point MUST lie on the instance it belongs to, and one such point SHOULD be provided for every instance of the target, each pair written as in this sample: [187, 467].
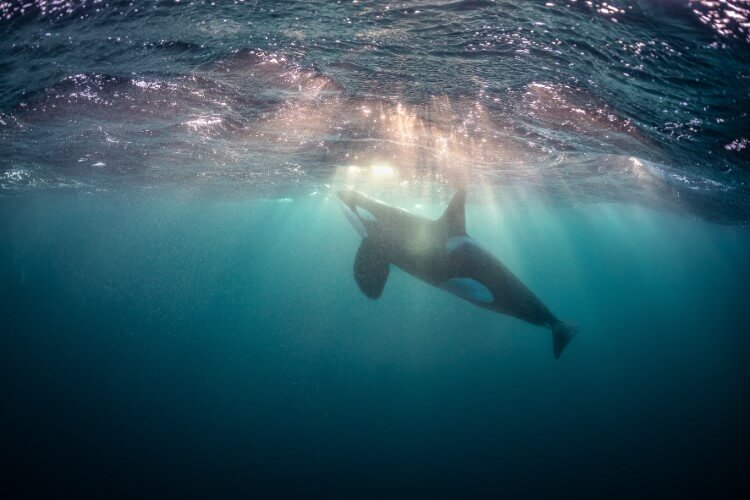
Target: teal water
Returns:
[222, 347]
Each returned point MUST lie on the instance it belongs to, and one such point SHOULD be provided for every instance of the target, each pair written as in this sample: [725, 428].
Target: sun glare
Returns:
[382, 171]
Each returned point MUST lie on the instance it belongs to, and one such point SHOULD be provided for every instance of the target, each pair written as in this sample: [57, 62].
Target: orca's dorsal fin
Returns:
[455, 216]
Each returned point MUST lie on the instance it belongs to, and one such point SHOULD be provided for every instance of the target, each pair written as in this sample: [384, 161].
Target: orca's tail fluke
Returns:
[562, 333]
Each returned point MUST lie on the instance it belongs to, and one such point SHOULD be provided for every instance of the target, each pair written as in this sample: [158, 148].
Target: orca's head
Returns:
[347, 196]
[359, 217]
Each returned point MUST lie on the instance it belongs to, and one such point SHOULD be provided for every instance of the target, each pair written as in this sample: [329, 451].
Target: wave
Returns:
[442, 92]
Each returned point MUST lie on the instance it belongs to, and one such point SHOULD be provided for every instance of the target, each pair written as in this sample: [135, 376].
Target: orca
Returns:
[441, 253]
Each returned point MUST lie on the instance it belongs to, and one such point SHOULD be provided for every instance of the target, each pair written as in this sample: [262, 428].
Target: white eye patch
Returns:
[353, 219]
[366, 215]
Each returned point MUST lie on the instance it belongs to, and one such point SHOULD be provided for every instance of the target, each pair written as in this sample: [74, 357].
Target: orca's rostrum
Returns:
[442, 254]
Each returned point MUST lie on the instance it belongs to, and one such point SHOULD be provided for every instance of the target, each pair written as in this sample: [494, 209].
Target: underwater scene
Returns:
[347, 249]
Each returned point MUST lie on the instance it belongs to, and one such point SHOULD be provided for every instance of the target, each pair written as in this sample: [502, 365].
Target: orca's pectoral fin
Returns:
[370, 269]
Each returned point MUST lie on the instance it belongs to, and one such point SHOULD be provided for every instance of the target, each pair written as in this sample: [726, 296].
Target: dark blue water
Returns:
[178, 309]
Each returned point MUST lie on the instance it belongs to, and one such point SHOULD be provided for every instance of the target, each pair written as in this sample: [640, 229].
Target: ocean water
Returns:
[177, 305]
